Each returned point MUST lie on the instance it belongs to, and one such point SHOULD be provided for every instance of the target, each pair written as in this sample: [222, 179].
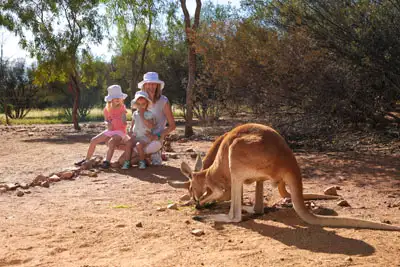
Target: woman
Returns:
[162, 111]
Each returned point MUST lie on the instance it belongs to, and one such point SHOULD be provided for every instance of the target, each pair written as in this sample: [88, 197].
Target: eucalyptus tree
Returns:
[62, 31]
[18, 95]
[191, 28]
[134, 20]
[362, 35]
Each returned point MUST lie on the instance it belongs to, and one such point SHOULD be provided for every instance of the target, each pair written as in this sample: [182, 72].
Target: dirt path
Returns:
[96, 221]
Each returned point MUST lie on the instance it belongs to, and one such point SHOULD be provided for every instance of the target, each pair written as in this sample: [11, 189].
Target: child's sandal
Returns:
[79, 163]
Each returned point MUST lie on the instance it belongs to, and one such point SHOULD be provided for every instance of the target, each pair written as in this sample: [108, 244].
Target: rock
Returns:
[172, 206]
[21, 130]
[193, 155]
[27, 191]
[92, 174]
[197, 232]
[12, 186]
[45, 184]
[54, 178]
[324, 211]
[189, 150]
[3, 190]
[30, 134]
[24, 185]
[98, 160]
[386, 221]
[168, 147]
[139, 224]
[39, 179]
[185, 197]
[87, 165]
[89, 173]
[66, 175]
[343, 203]
[198, 218]
[160, 209]
[331, 191]
[173, 156]
[348, 259]
[20, 193]
[395, 205]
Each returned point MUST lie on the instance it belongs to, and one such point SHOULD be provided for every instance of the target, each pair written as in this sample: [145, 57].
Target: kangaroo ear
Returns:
[199, 163]
[186, 170]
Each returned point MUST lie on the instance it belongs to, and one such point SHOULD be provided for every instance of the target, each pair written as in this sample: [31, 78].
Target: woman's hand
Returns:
[151, 136]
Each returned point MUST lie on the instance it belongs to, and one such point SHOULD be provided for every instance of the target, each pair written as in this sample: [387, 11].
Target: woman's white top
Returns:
[158, 111]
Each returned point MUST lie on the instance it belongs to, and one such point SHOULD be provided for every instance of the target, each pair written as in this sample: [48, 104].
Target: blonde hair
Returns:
[157, 94]
[109, 106]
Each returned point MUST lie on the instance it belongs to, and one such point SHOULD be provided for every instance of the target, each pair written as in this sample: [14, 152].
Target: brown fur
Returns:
[255, 153]
[225, 184]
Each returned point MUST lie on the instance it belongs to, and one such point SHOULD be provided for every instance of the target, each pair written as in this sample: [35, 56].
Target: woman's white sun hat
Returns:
[140, 94]
[151, 77]
[114, 91]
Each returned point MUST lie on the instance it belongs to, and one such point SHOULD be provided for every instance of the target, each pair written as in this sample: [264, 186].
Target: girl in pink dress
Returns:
[115, 119]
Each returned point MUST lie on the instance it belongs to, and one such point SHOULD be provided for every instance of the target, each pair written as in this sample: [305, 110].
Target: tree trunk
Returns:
[189, 92]
[191, 38]
[136, 74]
[77, 92]
[6, 113]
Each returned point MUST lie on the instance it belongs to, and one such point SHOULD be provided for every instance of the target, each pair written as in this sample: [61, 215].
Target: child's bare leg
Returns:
[94, 142]
[140, 149]
[112, 144]
[129, 147]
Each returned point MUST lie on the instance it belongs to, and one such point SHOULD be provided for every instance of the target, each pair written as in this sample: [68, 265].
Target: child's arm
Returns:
[130, 132]
[107, 120]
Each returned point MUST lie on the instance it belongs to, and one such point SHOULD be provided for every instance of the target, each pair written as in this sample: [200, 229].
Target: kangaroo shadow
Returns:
[296, 232]
[153, 174]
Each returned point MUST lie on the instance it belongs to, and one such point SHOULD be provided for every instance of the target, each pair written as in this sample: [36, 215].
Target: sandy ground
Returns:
[113, 219]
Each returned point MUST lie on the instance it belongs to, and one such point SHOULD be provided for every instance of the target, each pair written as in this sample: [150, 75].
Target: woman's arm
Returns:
[170, 119]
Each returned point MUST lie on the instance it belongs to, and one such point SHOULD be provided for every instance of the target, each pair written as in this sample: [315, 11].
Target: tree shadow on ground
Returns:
[360, 169]
[153, 174]
[295, 232]
[63, 139]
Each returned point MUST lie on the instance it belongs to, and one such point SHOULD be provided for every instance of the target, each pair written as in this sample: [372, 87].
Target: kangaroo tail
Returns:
[295, 186]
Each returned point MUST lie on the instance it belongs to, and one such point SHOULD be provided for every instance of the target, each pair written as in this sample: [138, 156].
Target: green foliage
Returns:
[16, 89]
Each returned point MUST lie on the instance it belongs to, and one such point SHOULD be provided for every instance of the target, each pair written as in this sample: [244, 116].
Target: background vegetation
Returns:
[318, 66]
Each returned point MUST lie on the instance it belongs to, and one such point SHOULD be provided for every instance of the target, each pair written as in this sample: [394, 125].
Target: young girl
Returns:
[142, 123]
[115, 119]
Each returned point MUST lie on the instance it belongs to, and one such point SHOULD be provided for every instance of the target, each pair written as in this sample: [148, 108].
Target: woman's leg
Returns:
[153, 147]
[94, 142]
[112, 144]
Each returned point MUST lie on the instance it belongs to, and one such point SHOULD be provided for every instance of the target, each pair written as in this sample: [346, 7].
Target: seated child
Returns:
[115, 119]
[142, 123]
